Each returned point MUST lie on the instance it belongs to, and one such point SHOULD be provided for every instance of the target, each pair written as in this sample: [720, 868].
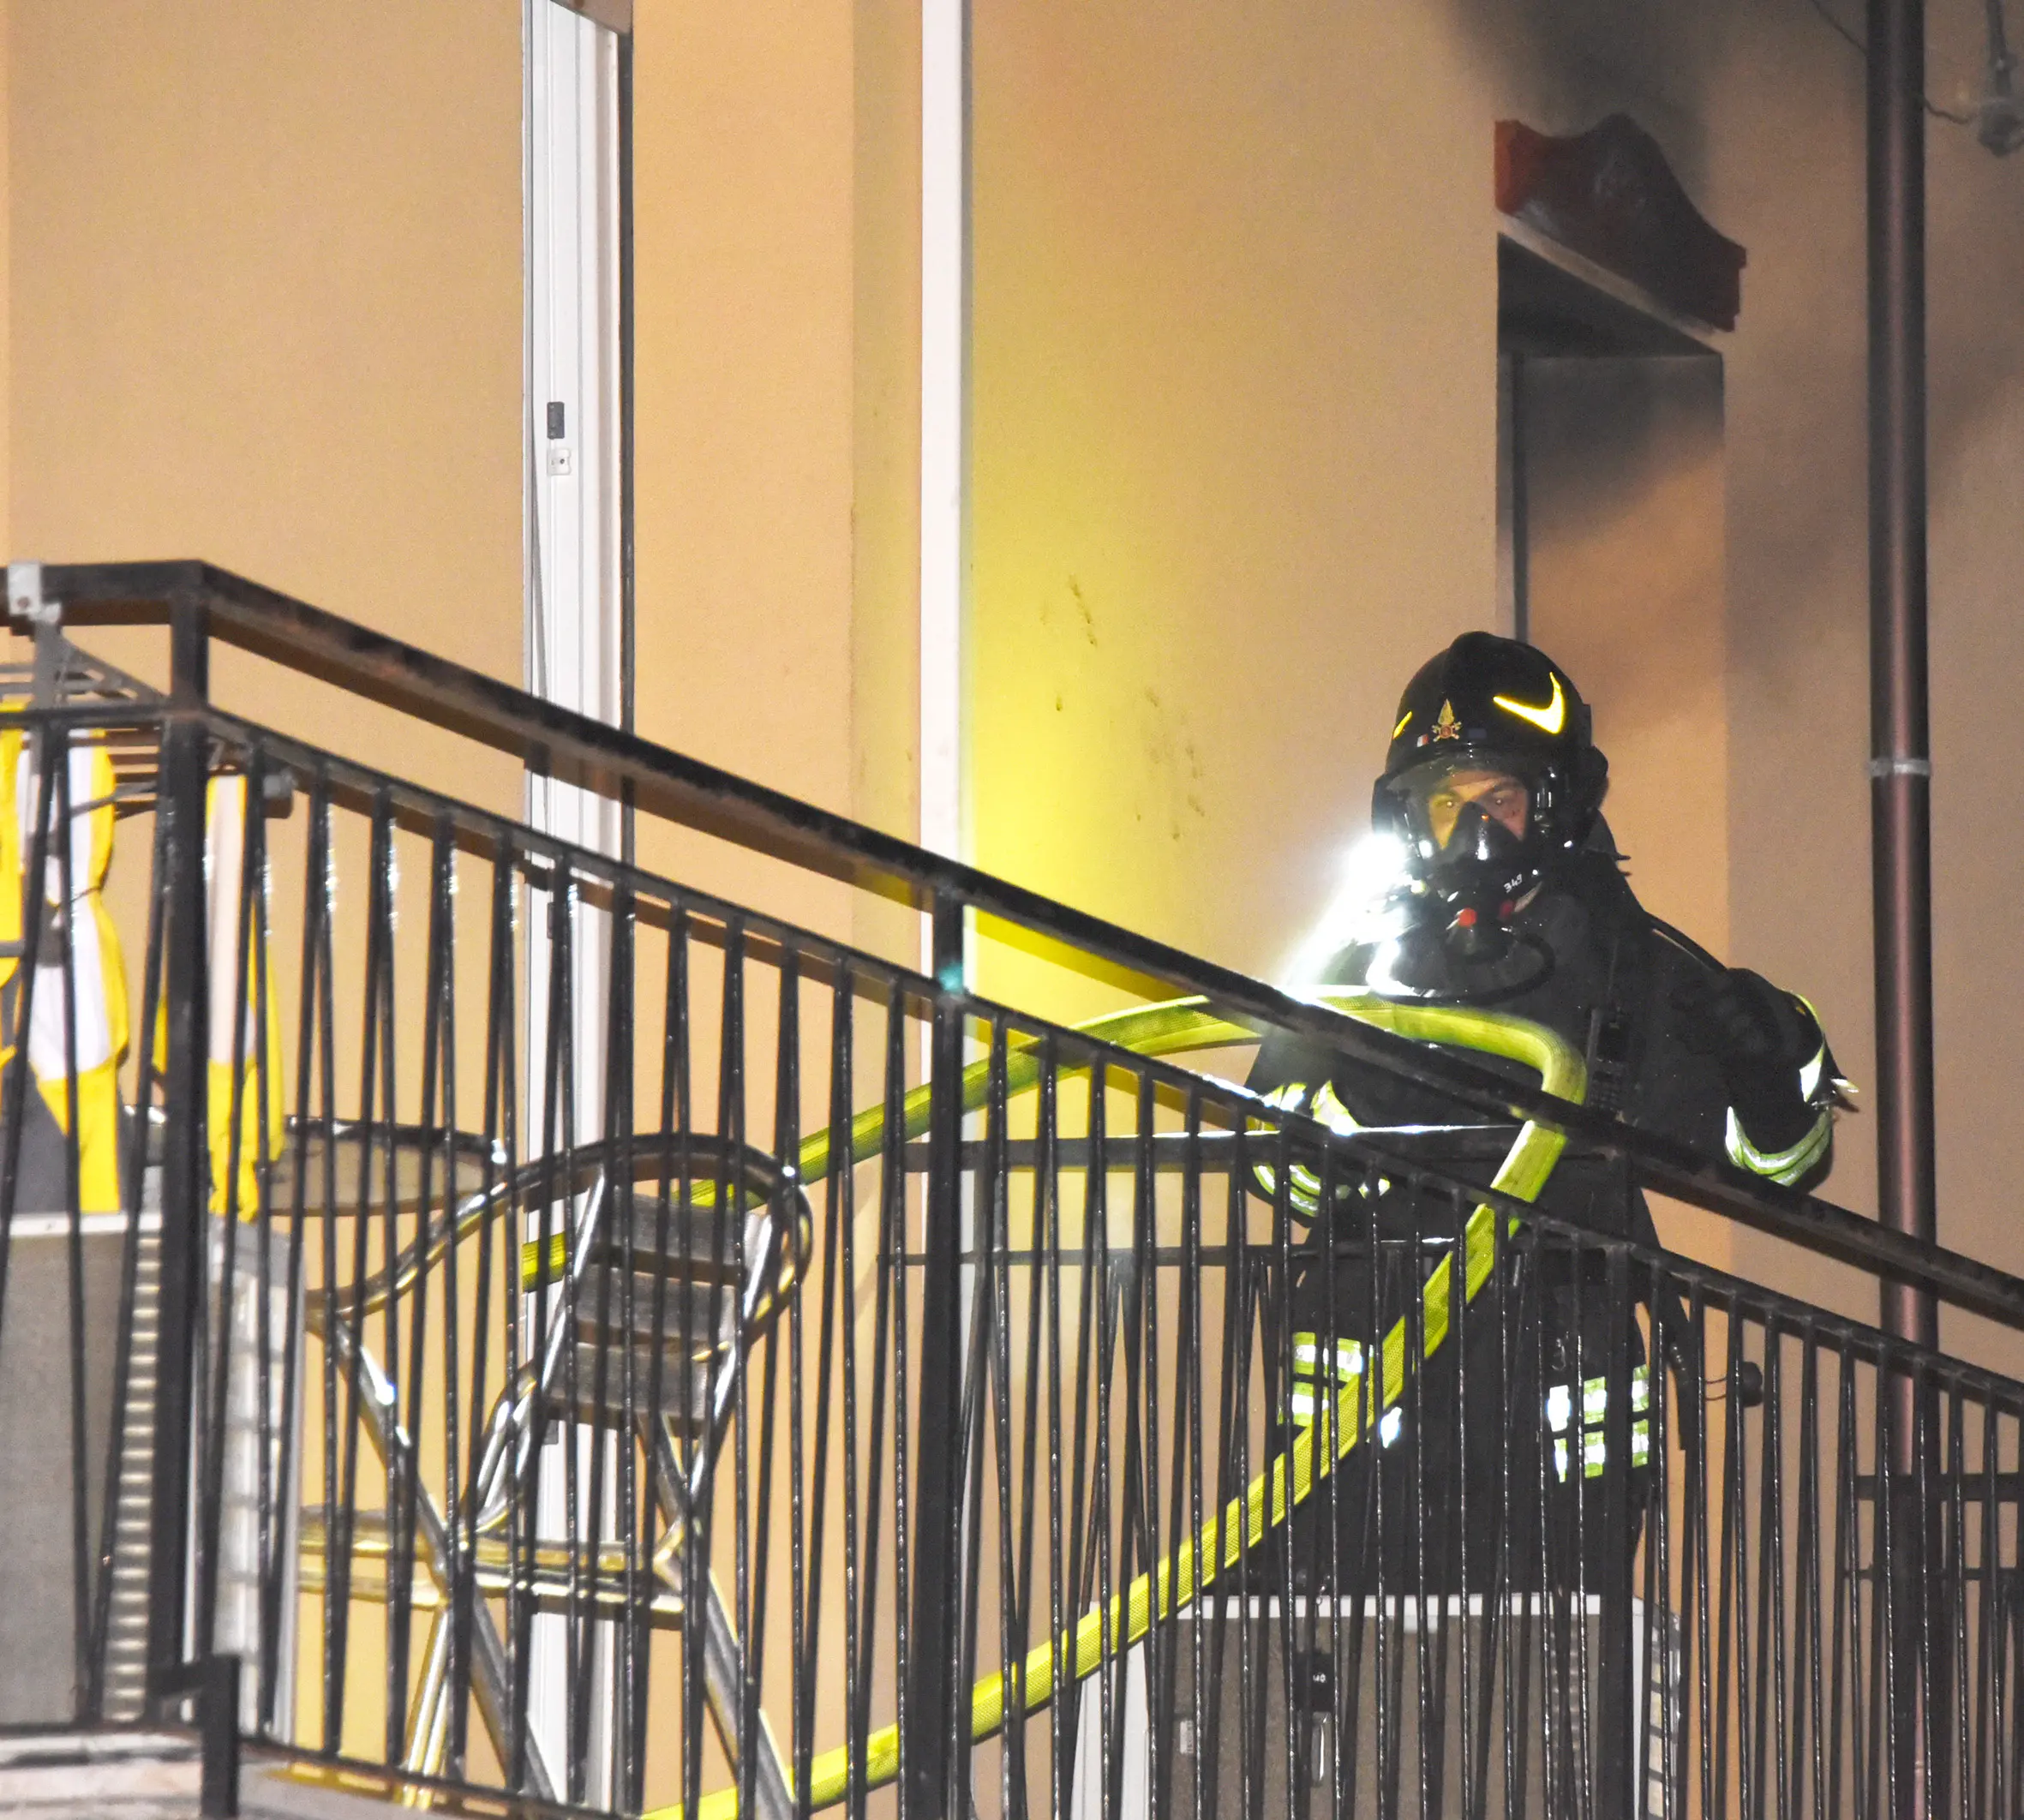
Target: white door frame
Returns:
[573, 628]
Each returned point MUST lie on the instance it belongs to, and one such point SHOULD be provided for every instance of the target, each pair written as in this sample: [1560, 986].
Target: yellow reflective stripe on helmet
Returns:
[1784, 1166]
[1549, 716]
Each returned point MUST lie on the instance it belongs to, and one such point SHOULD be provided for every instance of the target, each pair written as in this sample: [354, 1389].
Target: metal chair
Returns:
[659, 1261]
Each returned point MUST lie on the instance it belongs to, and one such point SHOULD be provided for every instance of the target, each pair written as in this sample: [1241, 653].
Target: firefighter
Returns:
[1511, 897]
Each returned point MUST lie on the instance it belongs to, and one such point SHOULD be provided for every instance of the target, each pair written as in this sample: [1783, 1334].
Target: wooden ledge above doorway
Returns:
[1609, 195]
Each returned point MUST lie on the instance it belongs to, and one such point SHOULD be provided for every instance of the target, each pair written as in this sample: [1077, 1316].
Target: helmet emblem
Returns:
[1447, 727]
[1549, 716]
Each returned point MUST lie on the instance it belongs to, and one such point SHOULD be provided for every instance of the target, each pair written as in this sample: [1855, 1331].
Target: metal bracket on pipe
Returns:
[1897, 766]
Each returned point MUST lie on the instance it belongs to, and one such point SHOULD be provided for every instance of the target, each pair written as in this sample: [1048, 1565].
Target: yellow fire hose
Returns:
[1183, 1025]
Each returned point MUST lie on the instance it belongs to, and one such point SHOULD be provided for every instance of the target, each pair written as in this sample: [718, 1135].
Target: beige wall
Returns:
[776, 176]
[267, 289]
[1234, 443]
[270, 294]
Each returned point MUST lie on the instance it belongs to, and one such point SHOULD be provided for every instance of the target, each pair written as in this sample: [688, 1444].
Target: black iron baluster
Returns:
[436, 936]
[1988, 1778]
[786, 1149]
[1387, 1645]
[1047, 1192]
[1659, 1622]
[1845, 1695]
[1576, 1678]
[579, 1210]
[630, 1634]
[1197, 1564]
[1327, 1452]
[1954, 1584]
[1543, 1619]
[602, 1648]
[1414, 1402]
[181, 797]
[438, 1074]
[1806, 1747]
[1029, 1495]
[277, 1537]
[1698, 1491]
[1507, 1642]
[928, 1794]
[727, 1212]
[1158, 1741]
[500, 1037]
[1079, 1515]
[318, 1039]
[787, 1126]
[994, 1247]
[1277, 1353]
[892, 1272]
[1727, 1599]
[339, 1541]
[677, 1112]
[1770, 1575]
[1096, 1250]
[658, 1503]
[1926, 1645]
[383, 1004]
[842, 1209]
[839, 1213]
[461, 1567]
[1893, 1671]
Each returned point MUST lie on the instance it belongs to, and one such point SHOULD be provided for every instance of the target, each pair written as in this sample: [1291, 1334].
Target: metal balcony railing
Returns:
[577, 1340]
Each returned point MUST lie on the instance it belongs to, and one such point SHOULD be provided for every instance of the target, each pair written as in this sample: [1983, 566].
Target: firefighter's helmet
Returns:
[1488, 704]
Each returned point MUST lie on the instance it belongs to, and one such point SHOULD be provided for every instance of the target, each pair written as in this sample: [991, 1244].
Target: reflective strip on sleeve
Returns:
[1595, 1410]
[1302, 1400]
[1785, 1166]
[1303, 1190]
[1330, 1110]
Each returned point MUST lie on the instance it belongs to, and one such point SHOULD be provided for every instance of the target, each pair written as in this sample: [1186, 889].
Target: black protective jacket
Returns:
[1591, 964]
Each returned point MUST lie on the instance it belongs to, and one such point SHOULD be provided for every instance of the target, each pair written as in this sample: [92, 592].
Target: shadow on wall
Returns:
[1760, 107]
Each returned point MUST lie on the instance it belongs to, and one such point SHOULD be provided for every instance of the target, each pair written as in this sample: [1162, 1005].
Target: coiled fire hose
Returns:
[1185, 1026]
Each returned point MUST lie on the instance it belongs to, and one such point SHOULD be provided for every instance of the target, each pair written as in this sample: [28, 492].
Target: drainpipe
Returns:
[1901, 769]
[1900, 786]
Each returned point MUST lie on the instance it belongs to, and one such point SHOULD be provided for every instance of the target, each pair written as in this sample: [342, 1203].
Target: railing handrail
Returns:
[197, 599]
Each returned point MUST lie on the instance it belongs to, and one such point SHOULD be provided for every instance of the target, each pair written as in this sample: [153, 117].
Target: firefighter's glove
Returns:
[1758, 1037]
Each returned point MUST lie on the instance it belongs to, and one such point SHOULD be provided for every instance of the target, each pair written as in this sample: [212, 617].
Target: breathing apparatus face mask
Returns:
[1472, 845]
